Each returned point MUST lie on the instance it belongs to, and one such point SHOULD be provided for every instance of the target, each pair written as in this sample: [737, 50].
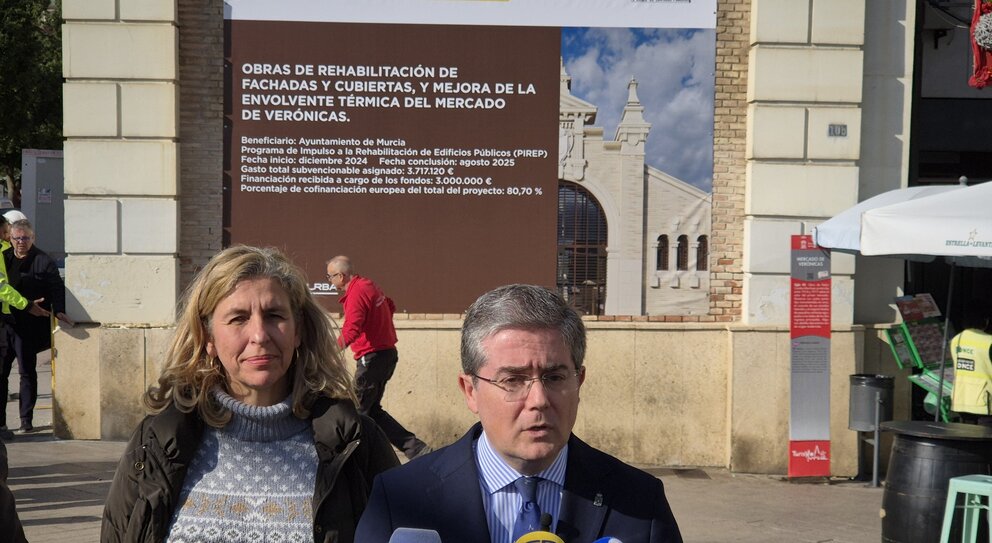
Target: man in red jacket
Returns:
[368, 330]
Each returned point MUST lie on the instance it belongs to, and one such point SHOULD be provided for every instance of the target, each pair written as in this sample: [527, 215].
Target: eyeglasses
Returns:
[517, 387]
[331, 276]
[21, 238]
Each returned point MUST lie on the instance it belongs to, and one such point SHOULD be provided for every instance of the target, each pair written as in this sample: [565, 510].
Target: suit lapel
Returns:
[584, 501]
[456, 494]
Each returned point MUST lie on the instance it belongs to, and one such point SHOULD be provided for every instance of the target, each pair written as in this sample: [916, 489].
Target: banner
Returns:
[421, 138]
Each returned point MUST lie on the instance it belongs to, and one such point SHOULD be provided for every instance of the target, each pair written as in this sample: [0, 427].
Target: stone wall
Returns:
[655, 393]
[121, 160]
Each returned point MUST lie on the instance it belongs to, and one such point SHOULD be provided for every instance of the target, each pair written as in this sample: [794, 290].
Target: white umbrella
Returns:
[953, 224]
[843, 232]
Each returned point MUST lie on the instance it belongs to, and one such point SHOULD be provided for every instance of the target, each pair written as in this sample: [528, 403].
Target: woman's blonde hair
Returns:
[190, 373]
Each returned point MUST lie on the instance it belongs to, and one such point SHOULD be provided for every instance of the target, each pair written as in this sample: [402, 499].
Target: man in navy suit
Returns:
[520, 468]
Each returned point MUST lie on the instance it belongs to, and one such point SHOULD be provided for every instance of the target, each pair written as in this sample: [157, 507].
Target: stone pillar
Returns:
[803, 142]
[121, 219]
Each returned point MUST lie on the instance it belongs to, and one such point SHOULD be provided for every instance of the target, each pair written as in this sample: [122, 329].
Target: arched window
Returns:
[581, 249]
[662, 264]
[682, 255]
[702, 254]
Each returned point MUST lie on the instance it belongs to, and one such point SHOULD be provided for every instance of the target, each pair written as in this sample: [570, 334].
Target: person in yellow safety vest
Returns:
[970, 351]
[9, 297]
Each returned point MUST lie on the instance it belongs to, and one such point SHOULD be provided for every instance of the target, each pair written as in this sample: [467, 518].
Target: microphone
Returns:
[539, 536]
[607, 539]
[546, 522]
[414, 535]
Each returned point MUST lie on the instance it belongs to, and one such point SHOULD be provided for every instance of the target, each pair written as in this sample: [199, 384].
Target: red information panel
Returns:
[809, 326]
[809, 458]
[810, 289]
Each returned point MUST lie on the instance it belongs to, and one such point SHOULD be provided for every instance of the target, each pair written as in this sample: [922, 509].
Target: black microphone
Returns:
[546, 522]
[414, 535]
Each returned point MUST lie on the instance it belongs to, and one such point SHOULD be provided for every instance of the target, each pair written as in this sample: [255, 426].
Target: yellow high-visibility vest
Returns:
[972, 372]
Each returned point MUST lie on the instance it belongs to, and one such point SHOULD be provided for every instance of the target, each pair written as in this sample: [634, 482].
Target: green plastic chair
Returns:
[973, 487]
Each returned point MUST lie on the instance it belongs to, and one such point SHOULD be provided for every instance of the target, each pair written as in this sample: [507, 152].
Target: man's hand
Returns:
[64, 318]
[36, 309]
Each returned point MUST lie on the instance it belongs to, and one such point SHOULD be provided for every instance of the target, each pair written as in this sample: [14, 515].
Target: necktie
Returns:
[529, 517]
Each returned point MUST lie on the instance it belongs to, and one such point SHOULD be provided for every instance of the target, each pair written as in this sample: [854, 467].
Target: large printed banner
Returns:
[809, 334]
[418, 137]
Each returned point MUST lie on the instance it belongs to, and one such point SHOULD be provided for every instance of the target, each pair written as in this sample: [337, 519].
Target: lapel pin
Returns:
[598, 500]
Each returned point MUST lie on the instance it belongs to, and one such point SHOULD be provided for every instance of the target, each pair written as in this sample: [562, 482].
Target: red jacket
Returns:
[368, 318]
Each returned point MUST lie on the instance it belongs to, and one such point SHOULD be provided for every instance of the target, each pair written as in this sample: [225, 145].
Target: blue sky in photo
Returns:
[674, 72]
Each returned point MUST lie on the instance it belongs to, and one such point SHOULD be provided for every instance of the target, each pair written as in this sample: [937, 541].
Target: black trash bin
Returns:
[864, 387]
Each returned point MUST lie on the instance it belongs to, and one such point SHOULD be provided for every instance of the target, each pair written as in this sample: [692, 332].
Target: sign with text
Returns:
[425, 155]
[420, 139]
[809, 336]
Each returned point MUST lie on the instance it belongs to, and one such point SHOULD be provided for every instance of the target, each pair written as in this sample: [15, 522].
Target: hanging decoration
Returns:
[981, 44]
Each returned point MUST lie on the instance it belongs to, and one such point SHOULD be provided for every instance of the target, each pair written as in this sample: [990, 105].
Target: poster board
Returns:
[420, 138]
[919, 340]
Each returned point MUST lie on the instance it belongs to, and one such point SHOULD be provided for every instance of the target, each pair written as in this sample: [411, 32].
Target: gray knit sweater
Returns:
[251, 481]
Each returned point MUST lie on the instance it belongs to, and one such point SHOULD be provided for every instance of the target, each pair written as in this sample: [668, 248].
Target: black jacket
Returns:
[10, 524]
[602, 497]
[36, 276]
[351, 450]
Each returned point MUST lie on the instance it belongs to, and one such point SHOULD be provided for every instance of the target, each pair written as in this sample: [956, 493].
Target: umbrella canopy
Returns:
[843, 232]
[956, 223]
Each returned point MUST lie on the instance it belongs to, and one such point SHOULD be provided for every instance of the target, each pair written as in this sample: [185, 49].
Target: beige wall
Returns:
[655, 393]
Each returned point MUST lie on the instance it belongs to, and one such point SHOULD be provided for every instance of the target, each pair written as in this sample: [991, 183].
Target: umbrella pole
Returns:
[944, 347]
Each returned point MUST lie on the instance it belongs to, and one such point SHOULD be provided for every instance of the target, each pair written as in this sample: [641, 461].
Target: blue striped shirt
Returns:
[500, 497]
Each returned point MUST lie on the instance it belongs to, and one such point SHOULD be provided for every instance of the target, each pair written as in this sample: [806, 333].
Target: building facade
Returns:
[708, 386]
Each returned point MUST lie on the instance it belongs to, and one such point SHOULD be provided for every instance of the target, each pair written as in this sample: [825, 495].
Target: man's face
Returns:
[5, 232]
[22, 240]
[336, 278]
[528, 433]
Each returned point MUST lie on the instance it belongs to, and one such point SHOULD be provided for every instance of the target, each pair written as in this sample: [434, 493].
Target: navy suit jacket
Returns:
[440, 491]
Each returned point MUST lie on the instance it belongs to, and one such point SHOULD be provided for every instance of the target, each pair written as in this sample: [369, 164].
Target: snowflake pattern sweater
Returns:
[251, 481]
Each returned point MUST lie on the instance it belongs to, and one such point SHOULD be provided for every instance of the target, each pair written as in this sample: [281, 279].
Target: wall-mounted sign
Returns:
[837, 130]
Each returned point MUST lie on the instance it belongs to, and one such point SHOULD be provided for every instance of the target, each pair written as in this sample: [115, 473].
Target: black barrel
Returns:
[920, 468]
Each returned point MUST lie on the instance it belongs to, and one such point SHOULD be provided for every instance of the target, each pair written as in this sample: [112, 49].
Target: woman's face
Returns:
[254, 333]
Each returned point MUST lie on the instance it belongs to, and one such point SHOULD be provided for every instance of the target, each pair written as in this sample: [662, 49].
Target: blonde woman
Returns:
[254, 434]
